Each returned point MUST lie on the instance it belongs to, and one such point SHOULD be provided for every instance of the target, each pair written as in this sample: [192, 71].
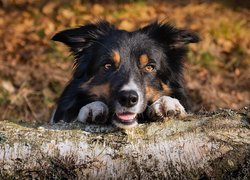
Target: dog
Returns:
[123, 77]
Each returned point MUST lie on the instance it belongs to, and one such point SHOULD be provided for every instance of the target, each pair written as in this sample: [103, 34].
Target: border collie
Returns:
[124, 77]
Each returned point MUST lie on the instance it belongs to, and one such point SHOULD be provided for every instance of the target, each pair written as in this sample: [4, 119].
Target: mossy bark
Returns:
[210, 145]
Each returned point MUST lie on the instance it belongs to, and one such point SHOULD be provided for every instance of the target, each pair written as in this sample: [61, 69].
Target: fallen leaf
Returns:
[8, 86]
[226, 45]
[49, 8]
[67, 14]
[127, 25]
[97, 9]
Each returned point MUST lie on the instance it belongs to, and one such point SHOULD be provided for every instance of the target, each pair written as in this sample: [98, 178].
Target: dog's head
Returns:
[127, 70]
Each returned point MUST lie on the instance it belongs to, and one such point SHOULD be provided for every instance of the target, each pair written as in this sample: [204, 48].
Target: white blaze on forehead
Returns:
[130, 86]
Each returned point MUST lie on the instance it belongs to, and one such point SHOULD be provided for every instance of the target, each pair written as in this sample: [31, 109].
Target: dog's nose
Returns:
[128, 98]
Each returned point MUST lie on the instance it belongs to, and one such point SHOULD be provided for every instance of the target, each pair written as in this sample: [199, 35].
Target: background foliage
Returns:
[34, 70]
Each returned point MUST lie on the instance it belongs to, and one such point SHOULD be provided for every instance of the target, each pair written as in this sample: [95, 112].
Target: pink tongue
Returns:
[126, 116]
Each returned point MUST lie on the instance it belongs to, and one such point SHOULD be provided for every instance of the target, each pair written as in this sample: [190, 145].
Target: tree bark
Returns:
[210, 145]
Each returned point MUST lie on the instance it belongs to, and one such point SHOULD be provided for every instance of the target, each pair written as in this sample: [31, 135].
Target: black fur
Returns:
[91, 46]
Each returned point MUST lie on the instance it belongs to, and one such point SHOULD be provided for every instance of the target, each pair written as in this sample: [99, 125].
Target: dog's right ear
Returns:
[83, 37]
[171, 36]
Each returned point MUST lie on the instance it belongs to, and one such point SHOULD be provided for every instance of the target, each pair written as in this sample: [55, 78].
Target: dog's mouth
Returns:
[125, 119]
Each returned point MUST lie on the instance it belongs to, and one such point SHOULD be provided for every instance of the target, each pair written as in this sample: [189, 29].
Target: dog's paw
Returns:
[166, 106]
[96, 111]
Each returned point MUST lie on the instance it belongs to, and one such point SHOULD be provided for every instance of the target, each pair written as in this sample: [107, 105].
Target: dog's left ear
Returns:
[169, 35]
[82, 37]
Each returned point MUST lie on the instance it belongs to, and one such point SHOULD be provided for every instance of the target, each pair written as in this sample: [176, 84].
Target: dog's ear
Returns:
[84, 36]
[169, 35]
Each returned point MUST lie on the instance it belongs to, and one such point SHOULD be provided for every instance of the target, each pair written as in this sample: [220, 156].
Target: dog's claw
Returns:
[166, 106]
[96, 111]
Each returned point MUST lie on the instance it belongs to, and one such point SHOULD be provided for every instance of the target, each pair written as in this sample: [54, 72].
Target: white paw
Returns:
[96, 111]
[167, 106]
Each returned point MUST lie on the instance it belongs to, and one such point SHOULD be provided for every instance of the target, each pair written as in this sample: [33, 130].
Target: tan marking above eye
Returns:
[143, 59]
[116, 58]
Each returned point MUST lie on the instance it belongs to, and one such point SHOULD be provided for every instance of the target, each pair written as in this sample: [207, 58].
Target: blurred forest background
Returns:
[34, 70]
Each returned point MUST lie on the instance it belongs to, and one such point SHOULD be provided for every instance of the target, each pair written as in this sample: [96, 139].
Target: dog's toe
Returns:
[166, 107]
[96, 112]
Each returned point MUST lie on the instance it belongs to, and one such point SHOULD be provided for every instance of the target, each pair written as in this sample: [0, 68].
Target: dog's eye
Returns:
[149, 68]
[107, 66]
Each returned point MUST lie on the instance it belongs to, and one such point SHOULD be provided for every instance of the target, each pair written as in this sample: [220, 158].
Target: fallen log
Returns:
[210, 145]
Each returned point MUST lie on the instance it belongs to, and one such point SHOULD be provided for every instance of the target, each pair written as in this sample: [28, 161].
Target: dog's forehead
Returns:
[131, 45]
[135, 41]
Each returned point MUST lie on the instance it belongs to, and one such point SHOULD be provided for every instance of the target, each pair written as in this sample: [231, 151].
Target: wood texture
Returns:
[210, 145]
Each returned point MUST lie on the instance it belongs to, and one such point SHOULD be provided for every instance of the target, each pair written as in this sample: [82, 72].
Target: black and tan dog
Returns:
[124, 77]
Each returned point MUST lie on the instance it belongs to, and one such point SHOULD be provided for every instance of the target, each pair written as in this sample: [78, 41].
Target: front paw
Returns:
[166, 106]
[96, 111]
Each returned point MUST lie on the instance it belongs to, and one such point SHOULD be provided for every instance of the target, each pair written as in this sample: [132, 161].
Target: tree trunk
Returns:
[210, 145]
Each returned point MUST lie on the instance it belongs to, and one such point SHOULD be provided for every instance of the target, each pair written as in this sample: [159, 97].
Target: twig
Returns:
[30, 108]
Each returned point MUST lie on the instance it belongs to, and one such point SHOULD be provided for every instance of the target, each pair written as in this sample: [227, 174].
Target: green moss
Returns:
[131, 12]
[119, 12]
[41, 33]
[4, 97]
[2, 138]
[56, 54]
[206, 59]
[229, 29]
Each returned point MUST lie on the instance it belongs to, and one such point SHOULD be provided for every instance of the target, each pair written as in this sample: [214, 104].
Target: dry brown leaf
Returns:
[237, 72]
[8, 86]
[49, 8]
[67, 14]
[80, 7]
[50, 27]
[97, 9]
[127, 25]
[226, 45]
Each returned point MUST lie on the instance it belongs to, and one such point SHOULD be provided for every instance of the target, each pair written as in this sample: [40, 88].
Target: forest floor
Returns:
[34, 70]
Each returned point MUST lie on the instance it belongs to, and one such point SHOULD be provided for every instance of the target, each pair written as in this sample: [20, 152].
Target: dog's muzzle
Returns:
[126, 113]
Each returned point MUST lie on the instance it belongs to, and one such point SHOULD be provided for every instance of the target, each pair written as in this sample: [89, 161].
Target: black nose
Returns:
[128, 98]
